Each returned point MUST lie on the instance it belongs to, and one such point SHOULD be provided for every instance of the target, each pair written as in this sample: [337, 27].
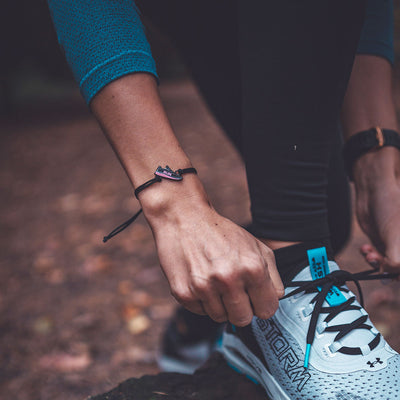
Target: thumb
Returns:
[276, 280]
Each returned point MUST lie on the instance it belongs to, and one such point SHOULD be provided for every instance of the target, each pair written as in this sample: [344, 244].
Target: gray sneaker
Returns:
[320, 344]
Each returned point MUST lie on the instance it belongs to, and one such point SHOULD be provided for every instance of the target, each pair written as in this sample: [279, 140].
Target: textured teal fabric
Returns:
[105, 39]
[102, 40]
[377, 33]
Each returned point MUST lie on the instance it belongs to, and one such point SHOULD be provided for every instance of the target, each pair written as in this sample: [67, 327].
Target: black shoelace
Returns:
[322, 287]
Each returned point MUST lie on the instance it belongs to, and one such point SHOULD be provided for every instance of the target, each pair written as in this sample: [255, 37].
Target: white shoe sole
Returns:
[244, 361]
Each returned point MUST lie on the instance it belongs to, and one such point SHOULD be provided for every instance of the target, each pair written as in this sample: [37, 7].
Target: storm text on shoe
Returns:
[285, 354]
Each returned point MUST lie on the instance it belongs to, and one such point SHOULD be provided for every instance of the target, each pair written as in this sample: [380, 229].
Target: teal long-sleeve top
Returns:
[102, 41]
[105, 39]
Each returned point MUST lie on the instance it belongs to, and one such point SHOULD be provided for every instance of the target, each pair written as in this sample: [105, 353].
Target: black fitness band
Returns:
[365, 141]
[160, 174]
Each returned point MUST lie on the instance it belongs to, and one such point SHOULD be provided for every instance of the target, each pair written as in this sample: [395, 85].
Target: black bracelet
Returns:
[365, 141]
[166, 173]
[160, 174]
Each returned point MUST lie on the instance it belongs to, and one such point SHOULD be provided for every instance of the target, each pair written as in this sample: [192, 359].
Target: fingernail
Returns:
[374, 264]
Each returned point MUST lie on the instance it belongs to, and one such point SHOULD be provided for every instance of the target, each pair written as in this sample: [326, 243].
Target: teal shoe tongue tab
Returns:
[318, 259]
[319, 268]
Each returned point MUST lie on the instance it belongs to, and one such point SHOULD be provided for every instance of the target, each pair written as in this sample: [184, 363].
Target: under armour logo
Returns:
[373, 363]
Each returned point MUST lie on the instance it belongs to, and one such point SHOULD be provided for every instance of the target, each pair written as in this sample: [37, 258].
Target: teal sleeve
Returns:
[378, 30]
[102, 39]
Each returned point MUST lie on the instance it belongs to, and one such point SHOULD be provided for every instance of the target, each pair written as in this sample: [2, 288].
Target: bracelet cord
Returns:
[167, 174]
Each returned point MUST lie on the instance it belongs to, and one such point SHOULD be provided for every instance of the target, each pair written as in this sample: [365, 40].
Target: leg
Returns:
[299, 86]
[212, 56]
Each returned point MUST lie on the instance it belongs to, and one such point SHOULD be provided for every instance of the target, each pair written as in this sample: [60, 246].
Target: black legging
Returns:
[274, 73]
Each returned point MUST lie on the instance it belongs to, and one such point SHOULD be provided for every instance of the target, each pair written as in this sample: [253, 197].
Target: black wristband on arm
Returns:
[166, 173]
[365, 141]
[160, 174]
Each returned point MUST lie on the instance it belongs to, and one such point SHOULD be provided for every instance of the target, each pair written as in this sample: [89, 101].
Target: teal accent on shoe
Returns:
[318, 260]
[335, 297]
[218, 343]
[241, 373]
[233, 328]
[319, 268]
[307, 356]
[252, 379]
[234, 368]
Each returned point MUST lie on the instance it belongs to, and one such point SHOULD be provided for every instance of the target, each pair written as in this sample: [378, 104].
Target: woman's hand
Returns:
[377, 182]
[213, 266]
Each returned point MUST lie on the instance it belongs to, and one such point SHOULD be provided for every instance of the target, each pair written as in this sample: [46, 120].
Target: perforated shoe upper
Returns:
[373, 374]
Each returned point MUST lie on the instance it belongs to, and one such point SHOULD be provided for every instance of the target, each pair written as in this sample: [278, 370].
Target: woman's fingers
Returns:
[270, 261]
[377, 261]
[215, 308]
[264, 299]
[210, 299]
[238, 307]
[371, 256]
[215, 267]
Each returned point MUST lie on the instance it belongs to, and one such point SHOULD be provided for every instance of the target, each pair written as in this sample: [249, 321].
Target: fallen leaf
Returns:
[94, 204]
[43, 262]
[64, 362]
[162, 311]
[69, 202]
[85, 250]
[98, 263]
[138, 324]
[129, 311]
[55, 276]
[141, 299]
[125, 287]
[148, 275]
[43, 325]
[133, 354]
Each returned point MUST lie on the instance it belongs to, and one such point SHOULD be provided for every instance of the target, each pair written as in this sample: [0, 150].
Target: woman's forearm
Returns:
[212, 265]
[135, 123]
[369, 103]
[369, 98]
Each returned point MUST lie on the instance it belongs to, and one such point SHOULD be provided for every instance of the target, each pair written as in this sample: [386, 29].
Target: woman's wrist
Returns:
[377, 167]
[172, 198]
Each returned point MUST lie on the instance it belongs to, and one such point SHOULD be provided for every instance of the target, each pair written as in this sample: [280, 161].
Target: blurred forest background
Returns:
[76, 316]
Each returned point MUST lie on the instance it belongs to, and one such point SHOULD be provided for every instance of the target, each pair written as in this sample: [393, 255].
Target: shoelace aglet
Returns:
[307, 355]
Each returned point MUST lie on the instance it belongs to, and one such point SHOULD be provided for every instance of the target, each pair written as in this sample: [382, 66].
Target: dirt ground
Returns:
[78, 316]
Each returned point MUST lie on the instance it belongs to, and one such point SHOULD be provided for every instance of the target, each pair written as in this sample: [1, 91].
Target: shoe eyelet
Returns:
[320, 329]
[319, 335]
[302, 316]
[327, 351]
[334, 347]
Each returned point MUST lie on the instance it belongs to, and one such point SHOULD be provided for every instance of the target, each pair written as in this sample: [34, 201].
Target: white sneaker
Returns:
[320, 344]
